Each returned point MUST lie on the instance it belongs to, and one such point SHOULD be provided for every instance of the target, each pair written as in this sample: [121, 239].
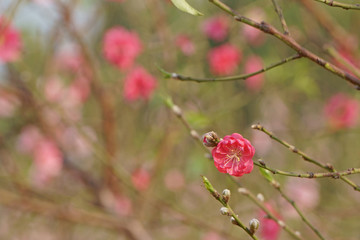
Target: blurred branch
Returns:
[260, 204]
[339, 34]
[231, 78]
[67, 213]
[269, 29]
[224, 202]
[335, 54]
[279, 12]
[335, 175]
[346, 6]
[104, 100]
[304, 156]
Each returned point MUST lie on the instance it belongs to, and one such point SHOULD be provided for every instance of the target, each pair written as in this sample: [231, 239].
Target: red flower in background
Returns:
[121, 47]
[269, 229]
[185, 44]
[139, 84]
[342, 111]
[253, 64]
[10, 42]
[141, 179]
[224, 59]
[233, 155]
[216, 28]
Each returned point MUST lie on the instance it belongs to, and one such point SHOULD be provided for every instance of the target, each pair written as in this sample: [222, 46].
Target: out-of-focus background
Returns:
[89, 148]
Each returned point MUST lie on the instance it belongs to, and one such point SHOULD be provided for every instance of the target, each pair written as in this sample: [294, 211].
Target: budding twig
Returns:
[288, 40]
[306, 157]
[346, 6]
[281, 223]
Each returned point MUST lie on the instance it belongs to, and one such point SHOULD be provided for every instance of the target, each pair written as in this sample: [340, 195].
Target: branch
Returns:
[304, 156]
[231, 78]
[346, 6]
[281, 223]
[278, 10]
[269, 29]
[334, 175]
[224, 202]
[337, 56]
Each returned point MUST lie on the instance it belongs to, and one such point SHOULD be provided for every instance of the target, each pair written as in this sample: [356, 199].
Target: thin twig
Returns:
[288, 40]
[337, 56]
[279, 12]
[304, 156]
[346, 6]
[335, 175]
[270, 215]
[231, 78]
[231, 213]
[294, 205]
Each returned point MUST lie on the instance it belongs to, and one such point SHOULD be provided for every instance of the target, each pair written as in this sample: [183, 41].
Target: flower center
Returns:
[234, 155]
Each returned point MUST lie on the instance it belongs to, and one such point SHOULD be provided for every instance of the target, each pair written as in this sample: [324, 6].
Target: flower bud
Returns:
[254, 225]
[224, 211]
[226, 195]
[233, 221]
[177, 110]
[260, 197]
[210, 139]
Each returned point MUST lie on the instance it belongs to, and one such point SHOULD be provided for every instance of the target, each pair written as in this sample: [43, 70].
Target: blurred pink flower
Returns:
[233, 155]
[8, 104]
[123, 206]
[140, 179]
[54, 89]
[305, 193]
[269, 229]
[69, 58]
[342, 111]
[224, 59]
[216, 28]
[79, 90]
[185, 44]
[48, 161]
[139, 84]
[28, 139]
[10, 42]
[253, 35]
[253, 64]
[211, 236]
[174, 180]
[121, 47]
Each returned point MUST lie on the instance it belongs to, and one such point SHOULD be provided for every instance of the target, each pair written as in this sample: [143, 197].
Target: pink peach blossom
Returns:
[233, 155]
[28, 139]
[121, 47]
[342, 111]
[139, 84]
[10, 42]
[47, 161]
[269, 229]
[224, 60]
[123, 206]
[216, 28]
[253, 64]
[140, 179]
[185, 44]
[252, 35]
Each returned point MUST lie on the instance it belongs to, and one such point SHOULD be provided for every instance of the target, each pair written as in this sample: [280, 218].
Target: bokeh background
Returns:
[83, 159]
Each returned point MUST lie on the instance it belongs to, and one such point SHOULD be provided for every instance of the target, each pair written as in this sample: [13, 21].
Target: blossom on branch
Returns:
[233, 155]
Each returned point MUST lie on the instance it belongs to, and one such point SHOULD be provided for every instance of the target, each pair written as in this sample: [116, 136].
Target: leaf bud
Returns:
[226, 195]
[254, 225]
